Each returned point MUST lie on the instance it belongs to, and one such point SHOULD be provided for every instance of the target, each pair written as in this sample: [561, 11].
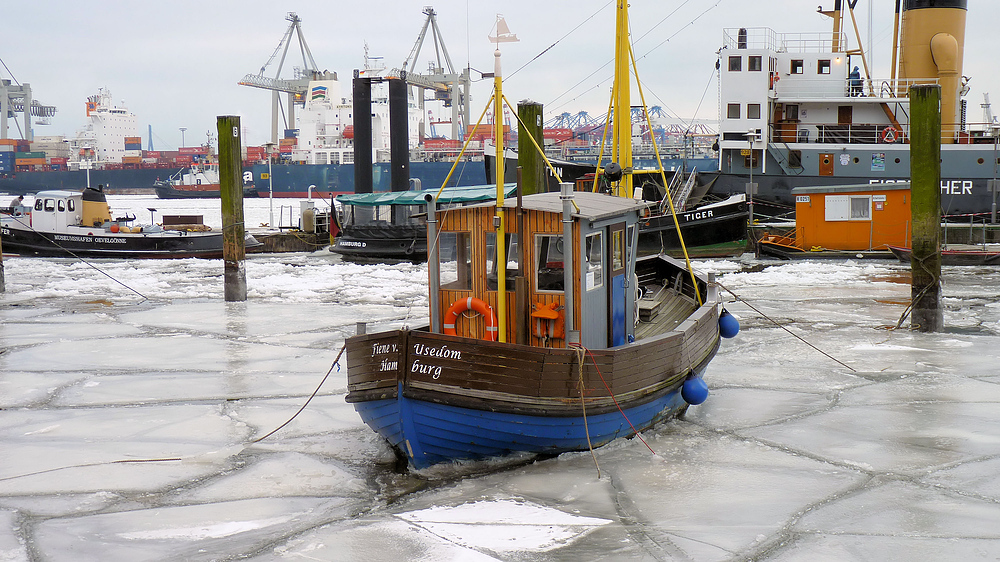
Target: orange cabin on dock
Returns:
[853, 217]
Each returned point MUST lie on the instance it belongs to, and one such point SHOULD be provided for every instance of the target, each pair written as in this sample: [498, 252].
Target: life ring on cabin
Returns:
[889, 134]
[476, 305]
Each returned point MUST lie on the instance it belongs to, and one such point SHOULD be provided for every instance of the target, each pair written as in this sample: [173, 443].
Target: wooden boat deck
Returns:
[661, 309]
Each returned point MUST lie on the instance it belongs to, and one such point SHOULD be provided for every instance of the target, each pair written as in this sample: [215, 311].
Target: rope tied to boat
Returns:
[776, 323]
[336, 363]
[85, 262]
[610, 393]
[583, 405]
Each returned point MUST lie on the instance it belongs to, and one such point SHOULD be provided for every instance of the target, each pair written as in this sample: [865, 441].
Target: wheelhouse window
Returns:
[61, 206]
[823, 67]
[797, 66]
[50, 205]
[755, 63]
[595, 261]
[38, 204]
[735, 64]
[456, 261]
[513, 259]
[733, 111]
[753, 111]
[71, 205]
[549, 263]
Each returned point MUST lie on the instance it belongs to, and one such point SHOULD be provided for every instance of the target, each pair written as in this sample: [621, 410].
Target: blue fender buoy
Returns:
[694, 391]
[729, 326]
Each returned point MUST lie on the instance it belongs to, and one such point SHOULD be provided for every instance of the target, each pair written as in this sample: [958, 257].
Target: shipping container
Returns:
[58, 160]
[192, 150]
[6, 166]
[8, 142]
[131, 159]
[151, 154]
[29, 161]
[133, 146]
[133, 140]
[20, 155]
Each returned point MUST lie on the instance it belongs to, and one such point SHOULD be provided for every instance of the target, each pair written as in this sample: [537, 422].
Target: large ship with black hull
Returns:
[799, 110]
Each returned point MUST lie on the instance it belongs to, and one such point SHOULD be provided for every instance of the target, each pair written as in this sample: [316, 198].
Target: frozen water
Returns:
[129, 408]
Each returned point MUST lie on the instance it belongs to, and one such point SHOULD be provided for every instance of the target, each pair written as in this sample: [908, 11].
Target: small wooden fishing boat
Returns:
[548, 333]
[957, 254]
[79, 224]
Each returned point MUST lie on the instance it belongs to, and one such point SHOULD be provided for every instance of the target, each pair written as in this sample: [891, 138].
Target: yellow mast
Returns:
[621, 132]
[503, 35]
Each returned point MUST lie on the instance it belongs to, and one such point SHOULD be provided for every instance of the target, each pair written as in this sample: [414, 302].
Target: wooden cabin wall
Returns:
[478, 221]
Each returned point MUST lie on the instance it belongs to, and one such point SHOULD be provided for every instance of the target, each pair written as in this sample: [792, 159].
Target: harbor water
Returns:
[133, 401]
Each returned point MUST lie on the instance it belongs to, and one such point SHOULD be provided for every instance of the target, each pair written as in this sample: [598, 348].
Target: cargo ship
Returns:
[797, 111]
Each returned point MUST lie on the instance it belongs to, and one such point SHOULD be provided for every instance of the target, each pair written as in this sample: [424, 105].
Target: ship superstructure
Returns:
[800, 109]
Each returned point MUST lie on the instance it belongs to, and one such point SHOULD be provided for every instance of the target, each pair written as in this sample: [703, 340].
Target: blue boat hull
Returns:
[428, 433]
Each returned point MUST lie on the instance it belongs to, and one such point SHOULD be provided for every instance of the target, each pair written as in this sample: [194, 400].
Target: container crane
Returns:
[14, 99]
[449, 86]
[295, 88]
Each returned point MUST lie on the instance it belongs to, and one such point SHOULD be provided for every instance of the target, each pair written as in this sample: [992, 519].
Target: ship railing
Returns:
[835, 133]
[767, 39]
[865, 89]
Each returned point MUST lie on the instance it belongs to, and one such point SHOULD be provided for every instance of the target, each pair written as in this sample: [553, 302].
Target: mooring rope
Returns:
[612, 395]
[70, 252]
[336, 363]
[583, 404]
[776, 323]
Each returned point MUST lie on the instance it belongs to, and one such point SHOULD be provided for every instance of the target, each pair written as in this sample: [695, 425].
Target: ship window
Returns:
[38, 204]
[753, 111]
[791, 112]
[61, 205]
[755, 63]
[797, 66]
[71, 205]
[595, 261]
[513, 258]
[50, 205]
[456, 261]
[735, 64]
[750, 158]
[549, 262]
[795, 158]
[823, 67]
[733, 111]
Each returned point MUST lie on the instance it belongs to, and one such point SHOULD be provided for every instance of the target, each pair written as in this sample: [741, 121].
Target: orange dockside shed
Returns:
[853, 217]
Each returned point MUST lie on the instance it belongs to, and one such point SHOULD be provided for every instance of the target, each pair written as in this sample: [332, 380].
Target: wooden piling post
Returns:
[528, 158]
[3, 282]
[231, 192]
[925, 206]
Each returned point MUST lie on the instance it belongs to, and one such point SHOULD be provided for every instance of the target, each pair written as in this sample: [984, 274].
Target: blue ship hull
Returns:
[429, 433]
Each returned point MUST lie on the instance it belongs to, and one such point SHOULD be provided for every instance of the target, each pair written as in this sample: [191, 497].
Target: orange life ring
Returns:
[889, 134]
[474, 304]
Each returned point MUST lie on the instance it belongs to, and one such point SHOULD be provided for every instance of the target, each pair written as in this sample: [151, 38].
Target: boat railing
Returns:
[767, 39]
[873, 89]
[837, 133]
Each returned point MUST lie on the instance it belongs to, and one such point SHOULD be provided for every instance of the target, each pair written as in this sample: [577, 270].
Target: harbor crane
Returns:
[14, 99]
[448, 85]
[296, 87]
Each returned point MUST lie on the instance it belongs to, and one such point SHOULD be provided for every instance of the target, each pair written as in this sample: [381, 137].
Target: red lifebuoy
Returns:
[476, 305]
[889, 134]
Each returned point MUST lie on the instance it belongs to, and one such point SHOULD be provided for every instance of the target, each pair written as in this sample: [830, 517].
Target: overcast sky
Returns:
[176, 64]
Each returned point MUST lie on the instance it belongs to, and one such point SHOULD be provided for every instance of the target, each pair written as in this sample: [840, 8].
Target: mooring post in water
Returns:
[231, 192]
[3, 283]
[925, 206]
[528, 159]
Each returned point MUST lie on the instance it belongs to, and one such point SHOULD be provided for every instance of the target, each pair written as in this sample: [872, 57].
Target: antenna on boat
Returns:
[503, 35]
